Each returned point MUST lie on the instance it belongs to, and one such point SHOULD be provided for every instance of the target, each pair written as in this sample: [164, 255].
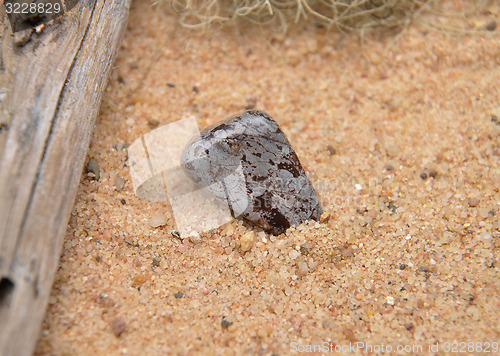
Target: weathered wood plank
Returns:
[50, 89]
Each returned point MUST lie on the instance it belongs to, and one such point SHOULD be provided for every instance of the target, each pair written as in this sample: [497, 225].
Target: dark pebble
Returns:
[179, 295]
[423, 175]
[254, 143]
[409, 326]
[176, 234]
[491, 26]
[124, 201]
[304, 250]
[423, 269]
[118, 326]
[195, 89]
[389, 167]
[331, 150]
[432, 173]
[225, 324]
[156, 262]
[392, 207]
[170, 85]
[153, 123]
[93, 167]
[402, 266]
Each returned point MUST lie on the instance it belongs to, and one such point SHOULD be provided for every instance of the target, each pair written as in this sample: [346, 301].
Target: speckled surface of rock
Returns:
[248, 161]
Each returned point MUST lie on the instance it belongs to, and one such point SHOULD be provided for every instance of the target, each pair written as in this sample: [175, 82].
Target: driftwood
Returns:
[51, 84]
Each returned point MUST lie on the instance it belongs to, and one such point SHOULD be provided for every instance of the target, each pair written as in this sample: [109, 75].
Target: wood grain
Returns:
[51, 85]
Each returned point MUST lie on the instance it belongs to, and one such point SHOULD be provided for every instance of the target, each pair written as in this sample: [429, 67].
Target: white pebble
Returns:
[158, 220]
[485, 235]
[303, 268]
[293, 254]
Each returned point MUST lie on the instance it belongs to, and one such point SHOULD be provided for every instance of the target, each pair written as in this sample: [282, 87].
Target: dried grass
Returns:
[345, 15]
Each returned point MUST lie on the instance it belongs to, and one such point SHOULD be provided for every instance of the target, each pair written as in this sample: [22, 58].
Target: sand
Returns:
[400, 134]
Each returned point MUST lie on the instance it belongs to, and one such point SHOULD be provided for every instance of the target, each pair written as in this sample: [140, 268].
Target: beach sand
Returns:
[400, 135]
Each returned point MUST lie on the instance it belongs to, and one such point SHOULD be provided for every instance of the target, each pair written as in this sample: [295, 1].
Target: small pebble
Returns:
[325, 217]
[473, 202]
[293, 254]
[328, 324]
[392, 207]
[195, 238]
[409, 326]
[118, 326]
[485, 236]
[153, 123]
[93, 167]
[105, 301]
[303, 268]
[158, 220]
[225, 323]
[483, 212]
[390, 300]
[331, 150]
[156, 262]
[247, 241]
[393, 150]
[432, 173]
[119, 183]
[423, 175]
[178, 295]
[491, 26]
[349, 335]
[124, 201]
[402, 266]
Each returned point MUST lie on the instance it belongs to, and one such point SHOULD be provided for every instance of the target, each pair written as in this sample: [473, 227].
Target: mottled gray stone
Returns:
[248, 161]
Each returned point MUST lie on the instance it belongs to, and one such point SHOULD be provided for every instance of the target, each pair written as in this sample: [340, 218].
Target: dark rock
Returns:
[248, 162]
[118, 326]
[93, 167]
